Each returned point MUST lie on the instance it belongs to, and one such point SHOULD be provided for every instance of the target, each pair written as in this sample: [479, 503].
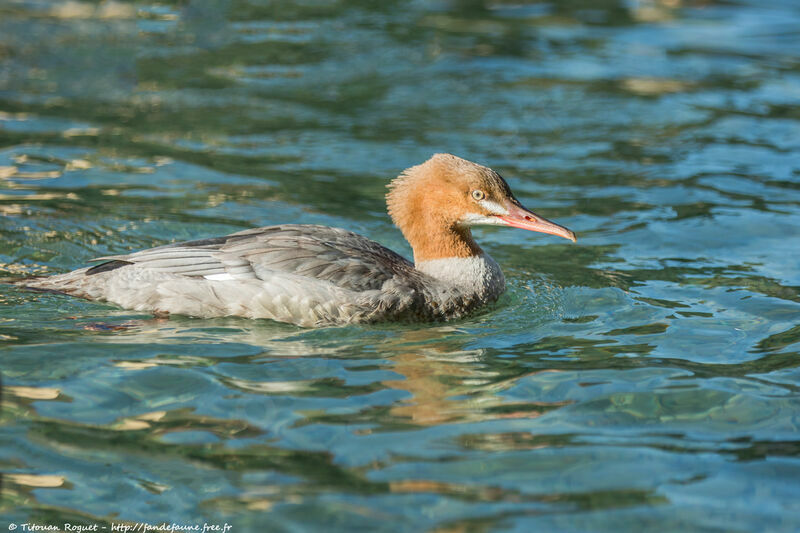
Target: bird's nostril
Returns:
[529, 219]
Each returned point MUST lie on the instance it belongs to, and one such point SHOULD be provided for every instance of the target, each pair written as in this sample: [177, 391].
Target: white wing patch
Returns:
[219, 277]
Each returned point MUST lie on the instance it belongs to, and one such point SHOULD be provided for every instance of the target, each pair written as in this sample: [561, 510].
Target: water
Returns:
[644, 379]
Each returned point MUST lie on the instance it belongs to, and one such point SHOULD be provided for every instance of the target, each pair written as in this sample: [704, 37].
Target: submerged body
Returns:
[317, 276]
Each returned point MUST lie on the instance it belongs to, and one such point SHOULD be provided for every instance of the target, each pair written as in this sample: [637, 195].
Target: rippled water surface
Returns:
[645, 378]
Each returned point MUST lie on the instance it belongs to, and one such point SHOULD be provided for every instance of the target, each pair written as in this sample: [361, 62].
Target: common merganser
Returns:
[313, 276]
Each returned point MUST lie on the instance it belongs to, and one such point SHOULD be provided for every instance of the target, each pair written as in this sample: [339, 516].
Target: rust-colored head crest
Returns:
[434, 204]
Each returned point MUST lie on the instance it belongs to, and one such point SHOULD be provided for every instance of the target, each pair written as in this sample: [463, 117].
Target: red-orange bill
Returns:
[519, 217]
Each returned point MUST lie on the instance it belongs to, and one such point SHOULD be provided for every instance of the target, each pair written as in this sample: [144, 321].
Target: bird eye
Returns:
[478, 194]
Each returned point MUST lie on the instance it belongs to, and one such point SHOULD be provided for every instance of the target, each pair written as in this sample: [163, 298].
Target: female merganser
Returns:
[318, 276]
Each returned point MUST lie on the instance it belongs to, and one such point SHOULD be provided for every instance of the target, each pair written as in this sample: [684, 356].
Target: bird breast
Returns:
[474, 280]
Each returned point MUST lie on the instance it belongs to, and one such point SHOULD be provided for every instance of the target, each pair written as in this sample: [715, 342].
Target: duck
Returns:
[318, 276]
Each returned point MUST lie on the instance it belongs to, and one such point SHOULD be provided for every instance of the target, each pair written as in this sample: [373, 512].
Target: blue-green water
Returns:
[647, 378]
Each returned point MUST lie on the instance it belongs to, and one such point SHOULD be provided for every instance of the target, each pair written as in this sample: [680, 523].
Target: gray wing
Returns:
[340, 257]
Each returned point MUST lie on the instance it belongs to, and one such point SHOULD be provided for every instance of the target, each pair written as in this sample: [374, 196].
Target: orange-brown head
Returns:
[434, 204]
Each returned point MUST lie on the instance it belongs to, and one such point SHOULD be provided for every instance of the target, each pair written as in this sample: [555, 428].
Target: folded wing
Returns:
[340, 257]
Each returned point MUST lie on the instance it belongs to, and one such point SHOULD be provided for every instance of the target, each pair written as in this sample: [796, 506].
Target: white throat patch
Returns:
[479, 274]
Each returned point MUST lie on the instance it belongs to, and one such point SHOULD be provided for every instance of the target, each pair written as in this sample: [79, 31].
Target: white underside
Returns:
[284, 297]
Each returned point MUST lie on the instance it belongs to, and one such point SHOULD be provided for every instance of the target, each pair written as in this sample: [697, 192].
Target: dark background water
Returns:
[644, 379]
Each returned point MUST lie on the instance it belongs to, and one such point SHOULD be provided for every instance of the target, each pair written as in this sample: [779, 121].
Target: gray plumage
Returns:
[303, 274]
